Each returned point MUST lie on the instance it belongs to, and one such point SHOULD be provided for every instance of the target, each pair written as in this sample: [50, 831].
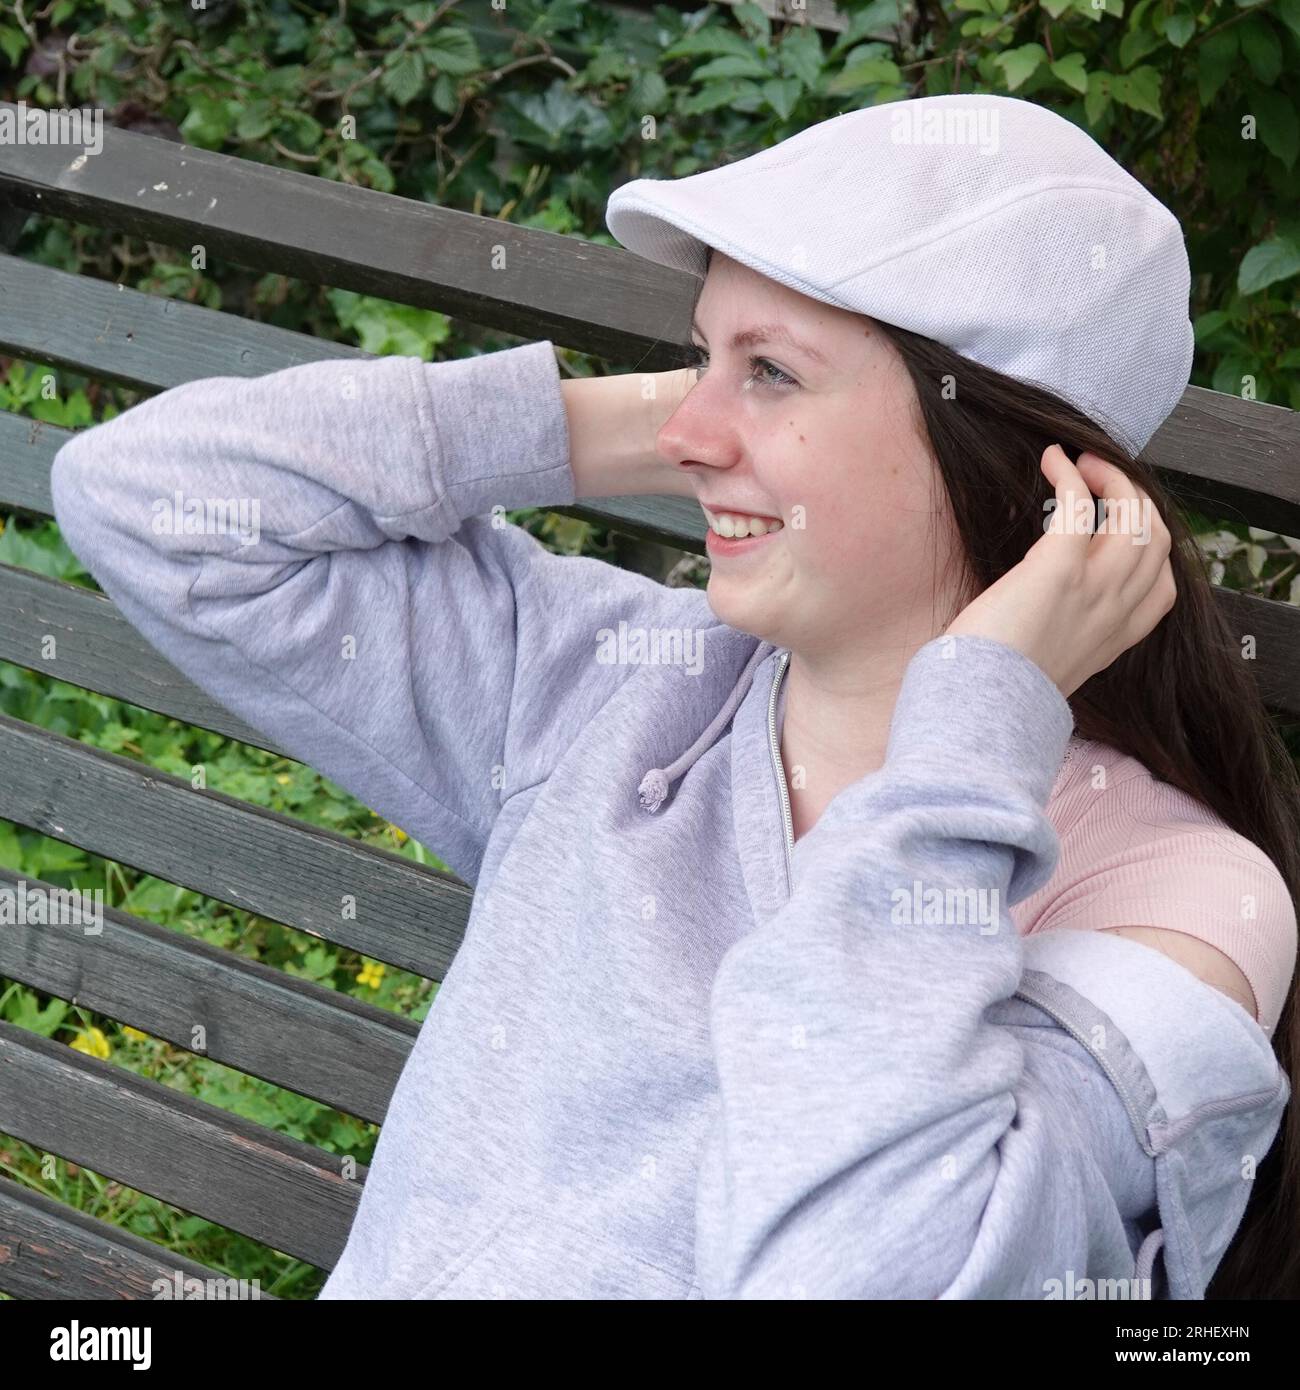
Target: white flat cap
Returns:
[988, 223]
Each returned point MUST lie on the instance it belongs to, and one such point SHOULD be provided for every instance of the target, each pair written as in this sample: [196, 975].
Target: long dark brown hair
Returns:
[1181, 701]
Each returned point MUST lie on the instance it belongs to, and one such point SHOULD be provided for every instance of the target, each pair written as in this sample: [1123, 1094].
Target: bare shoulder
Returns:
[1203, 960]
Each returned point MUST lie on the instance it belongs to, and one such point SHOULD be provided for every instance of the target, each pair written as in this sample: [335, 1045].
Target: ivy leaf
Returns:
[648, 91]
[384, 327]
[1019, 64]
[1288, 11]
[1071, 71]
[755, 22]
[1135, 45]
[12, 42]
[255, 121]
[861, 75]
[403, 76]
[452, 50]
[1262, 48]
[1266, 264]
[1139, 90]
[711, 41]
[1215, 332]
[716, 94]
[551, 118]
[1098, 97]
[781, 94]
[1179, 28]
[444, 94]
[1276, 124]
[1215, 58]
[208, 122]
[800, 55]
[879, 18]
[731, 65]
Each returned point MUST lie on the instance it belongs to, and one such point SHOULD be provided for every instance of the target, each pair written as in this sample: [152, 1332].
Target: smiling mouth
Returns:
[739, 525]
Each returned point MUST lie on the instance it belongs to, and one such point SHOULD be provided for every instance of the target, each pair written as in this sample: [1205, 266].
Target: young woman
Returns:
[906, 916]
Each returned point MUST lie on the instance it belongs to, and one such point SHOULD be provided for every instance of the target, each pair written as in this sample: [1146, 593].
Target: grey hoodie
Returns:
[676, 1055]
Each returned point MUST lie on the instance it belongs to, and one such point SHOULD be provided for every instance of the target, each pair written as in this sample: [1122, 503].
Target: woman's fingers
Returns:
[1132, 553]
[1070, 517]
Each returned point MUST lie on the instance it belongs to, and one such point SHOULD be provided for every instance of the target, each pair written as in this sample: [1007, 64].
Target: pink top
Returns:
[1137, 852]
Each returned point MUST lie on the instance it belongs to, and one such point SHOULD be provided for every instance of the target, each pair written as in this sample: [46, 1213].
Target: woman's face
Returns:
[828, 444]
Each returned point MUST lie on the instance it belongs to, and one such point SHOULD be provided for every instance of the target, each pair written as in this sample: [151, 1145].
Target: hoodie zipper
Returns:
[787, 819]
[1139, 1125]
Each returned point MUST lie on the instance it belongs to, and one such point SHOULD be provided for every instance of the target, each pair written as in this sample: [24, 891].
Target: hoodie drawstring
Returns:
[654, 785]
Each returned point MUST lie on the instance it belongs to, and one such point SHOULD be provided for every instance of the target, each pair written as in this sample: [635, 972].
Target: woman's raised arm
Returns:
[323, 549]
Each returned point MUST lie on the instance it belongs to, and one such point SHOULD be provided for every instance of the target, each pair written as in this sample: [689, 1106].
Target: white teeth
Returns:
[737, 527]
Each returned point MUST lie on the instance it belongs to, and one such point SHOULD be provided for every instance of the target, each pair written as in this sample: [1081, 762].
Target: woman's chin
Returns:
[741, 607]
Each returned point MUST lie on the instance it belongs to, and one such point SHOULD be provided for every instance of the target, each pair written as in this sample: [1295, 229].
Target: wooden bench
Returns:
[1224, 456]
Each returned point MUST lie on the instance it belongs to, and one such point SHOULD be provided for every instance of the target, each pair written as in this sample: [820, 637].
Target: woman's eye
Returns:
[697, 358]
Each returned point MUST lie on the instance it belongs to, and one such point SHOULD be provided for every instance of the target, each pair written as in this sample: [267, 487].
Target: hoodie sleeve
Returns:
[878, 1134]
[323, 550]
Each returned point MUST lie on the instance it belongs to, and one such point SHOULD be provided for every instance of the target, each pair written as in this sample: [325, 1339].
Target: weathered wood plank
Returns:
[406, 914]
[196, 1156]
[292, 1032]
[50, 1250]
[1275, 626]
[521, 280]
[143, 341]
[99, 650]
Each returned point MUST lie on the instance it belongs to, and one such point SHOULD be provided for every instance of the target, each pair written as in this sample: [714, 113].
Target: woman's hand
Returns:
[1081, 596]
[613, 424]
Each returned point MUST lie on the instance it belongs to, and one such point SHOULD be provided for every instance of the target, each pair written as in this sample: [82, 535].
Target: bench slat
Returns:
[196, 1156]
[50, 1250]
[27, 449]
[289, 1031]
[99, 650]
[255, 859]
[598, 299]
[139, 340]
[522, 280]
[1217, 453]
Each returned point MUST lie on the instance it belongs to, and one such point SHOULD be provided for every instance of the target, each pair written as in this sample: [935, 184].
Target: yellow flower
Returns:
[371, 974]
[398, 834]
[94, 1043]
[135, 1033]
[284, 779]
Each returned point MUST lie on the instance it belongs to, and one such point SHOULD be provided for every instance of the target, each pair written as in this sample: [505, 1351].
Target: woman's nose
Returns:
[699, 431]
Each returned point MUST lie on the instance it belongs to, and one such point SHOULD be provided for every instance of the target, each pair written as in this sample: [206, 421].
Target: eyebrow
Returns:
[769, 333]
